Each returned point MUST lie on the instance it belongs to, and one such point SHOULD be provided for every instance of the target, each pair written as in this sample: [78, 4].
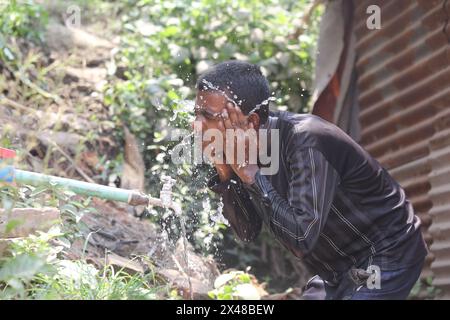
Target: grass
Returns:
[77, 280]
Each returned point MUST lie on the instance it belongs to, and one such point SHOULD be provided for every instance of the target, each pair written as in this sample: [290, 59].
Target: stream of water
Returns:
[188, 106]
[185, 254]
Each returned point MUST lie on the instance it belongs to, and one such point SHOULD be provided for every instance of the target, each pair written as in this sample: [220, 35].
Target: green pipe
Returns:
[131, 197]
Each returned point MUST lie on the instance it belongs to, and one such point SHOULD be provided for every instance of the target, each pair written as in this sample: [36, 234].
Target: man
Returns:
[330, 203]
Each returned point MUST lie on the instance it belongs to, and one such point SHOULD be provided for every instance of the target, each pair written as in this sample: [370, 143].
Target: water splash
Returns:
[233, 100]
[185, 254]
[265, 102]
[183, 106]
[188, 106]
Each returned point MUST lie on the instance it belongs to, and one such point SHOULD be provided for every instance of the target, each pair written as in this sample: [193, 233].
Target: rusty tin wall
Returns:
[404, 97]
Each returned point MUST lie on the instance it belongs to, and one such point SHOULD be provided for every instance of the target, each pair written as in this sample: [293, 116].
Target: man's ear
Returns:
[254, 118]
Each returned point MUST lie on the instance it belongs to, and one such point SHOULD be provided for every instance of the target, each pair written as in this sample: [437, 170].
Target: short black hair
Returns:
[241, 81]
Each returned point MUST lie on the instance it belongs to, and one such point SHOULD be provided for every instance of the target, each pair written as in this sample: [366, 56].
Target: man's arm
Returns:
[237, 207]
[298, 221]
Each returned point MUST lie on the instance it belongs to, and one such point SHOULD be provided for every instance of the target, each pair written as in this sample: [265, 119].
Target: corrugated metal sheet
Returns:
[403, 82]
[440, 196]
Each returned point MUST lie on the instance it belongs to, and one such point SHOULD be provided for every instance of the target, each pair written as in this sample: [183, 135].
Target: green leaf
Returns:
[170, 31]
[37, 191]
[23, 267]
[172, 95]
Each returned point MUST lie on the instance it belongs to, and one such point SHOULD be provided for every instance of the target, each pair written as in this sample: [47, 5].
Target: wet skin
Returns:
[215, 111]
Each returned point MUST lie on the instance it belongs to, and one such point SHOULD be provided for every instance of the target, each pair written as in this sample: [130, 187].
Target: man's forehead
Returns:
[213, 101]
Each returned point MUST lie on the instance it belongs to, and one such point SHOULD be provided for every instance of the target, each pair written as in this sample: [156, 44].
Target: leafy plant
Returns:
[35, 267]
[424, 289]
[78, 280]
[72, 208]
[23, 19]
[234, 285]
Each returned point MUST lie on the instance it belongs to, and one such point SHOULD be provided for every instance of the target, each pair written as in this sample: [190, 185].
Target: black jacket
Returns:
[330, 202]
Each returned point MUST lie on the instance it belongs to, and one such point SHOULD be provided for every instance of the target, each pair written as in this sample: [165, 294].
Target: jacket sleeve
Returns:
[298, 221]
[238, 209]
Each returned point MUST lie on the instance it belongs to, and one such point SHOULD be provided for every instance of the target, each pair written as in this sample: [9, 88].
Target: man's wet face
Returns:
[209, 106]
[208, 109]
[220, 119]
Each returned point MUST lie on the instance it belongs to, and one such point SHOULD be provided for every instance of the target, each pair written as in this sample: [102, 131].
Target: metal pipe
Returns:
[79, 187]
[132, 197]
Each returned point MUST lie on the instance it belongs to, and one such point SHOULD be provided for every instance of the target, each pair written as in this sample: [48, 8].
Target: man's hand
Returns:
[217, 158]
[234, 119]
[224, 171]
